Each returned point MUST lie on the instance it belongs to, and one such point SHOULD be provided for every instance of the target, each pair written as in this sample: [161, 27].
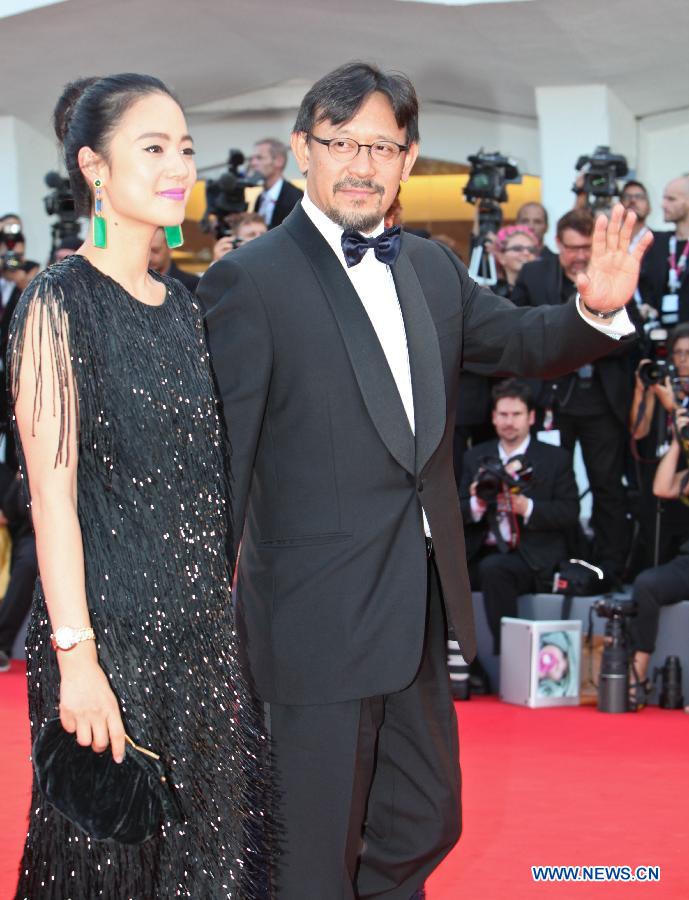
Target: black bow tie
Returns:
[386, 246]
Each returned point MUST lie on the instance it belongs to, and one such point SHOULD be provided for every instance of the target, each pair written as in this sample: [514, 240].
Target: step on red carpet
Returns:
[548, 787]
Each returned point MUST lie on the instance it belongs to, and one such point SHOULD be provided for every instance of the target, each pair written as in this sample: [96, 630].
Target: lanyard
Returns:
[677, 267]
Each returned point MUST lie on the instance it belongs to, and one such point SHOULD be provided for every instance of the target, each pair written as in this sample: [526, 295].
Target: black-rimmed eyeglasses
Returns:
[346, 149]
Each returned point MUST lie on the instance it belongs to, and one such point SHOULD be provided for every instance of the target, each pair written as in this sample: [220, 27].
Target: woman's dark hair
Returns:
[339, 95]
[86, 115]
[678, 332]
[514, 389]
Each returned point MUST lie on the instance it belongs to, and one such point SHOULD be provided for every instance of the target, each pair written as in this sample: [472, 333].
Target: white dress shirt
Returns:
[375, 287]
[268, 200]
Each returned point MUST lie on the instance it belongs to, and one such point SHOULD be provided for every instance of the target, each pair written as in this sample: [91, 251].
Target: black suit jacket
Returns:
[654, 274]
[328, 479]
[543, 541]
[287, 199]
[540, 284]
[188, 279]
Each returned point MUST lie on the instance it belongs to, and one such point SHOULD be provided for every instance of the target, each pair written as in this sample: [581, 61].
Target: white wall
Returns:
[26, 157]
[663, 155]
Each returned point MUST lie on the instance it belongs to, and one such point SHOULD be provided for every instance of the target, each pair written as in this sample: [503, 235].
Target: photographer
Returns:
[515, 537]
[244, 227]
[11, 250]
[279, 197]
[590, 405]
[664, 276]
[14, 512]
[662, 526]
[666, 584]
[160, 260]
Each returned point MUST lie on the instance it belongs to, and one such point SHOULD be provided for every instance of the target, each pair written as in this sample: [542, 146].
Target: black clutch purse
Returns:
[109, 801]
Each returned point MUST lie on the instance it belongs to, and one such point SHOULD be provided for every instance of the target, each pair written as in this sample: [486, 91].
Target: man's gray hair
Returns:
[278, 150]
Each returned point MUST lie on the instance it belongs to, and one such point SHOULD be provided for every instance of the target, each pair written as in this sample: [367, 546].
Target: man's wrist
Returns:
[602, 316]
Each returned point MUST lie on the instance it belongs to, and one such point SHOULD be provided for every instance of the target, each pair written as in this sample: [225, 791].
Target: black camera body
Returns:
[493, 476]
[489, 174]
[225, 195]
[60, 202]
[656, 371]
[609, 608]
[600, 179]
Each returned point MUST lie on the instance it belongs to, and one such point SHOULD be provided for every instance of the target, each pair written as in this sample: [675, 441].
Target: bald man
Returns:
[535, 216]
[664, 279]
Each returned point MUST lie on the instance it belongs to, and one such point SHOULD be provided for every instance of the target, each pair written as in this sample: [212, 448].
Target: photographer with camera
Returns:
[661, 387]
[590, 405]
[519, 500]
[664, 276]
[279, 197]
[11, 251]
[244, 227]
[666, 584]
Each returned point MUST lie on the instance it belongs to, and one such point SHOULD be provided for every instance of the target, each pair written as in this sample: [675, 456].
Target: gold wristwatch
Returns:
[66, 637]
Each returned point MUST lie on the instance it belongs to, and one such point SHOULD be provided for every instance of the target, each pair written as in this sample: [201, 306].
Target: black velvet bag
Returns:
[109, 801]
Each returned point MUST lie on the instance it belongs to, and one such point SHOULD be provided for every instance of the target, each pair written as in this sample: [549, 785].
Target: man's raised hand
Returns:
[613, 272]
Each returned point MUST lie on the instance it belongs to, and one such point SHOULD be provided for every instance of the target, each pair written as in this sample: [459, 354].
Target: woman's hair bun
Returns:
[64, 108]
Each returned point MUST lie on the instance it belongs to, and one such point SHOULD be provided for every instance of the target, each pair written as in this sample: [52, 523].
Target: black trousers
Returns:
[602, 440]
[17, 602]
[502, 577]
[654, 588]
[369, 790]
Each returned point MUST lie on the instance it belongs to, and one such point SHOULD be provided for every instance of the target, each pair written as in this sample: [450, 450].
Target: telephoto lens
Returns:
[670, 684]
[613, 692]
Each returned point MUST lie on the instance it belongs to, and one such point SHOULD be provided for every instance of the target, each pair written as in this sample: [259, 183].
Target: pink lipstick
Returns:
[172, 194]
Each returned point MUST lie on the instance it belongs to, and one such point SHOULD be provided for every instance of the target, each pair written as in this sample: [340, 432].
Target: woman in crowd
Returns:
[123, 450]
[514, 246]
[663, 526]
[661, 585]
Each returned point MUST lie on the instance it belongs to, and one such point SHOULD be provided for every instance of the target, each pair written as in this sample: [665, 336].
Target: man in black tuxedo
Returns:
[664, 279]
[515, 540]
[279, 197]
[338, 370]
[590, 404]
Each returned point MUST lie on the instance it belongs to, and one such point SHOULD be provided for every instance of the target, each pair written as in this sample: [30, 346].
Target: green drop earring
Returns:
[173, 236]
[100, 226]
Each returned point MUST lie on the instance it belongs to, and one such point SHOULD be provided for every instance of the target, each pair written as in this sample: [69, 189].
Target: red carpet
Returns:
[542, 787]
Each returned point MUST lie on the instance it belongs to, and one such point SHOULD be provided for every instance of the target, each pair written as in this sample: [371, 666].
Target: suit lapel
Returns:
[370, 366]
[428, 383]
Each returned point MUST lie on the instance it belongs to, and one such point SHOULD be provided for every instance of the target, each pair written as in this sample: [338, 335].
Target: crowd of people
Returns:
[624, 423]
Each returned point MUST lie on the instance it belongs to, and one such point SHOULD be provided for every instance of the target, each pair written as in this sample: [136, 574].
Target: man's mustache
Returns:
[358, 184]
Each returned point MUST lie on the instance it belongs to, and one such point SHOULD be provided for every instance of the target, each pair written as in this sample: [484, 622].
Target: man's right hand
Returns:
[665, 394]
[479, 506]
[222, 246]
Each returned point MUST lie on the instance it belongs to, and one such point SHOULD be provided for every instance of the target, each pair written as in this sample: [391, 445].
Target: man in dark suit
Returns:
[664, 280]
[535, 216]
[514, 541]
[279, 197]
[590, 404]
[160, 260]
[337, 358]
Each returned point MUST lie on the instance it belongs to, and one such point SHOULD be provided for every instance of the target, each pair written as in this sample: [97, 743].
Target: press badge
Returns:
[669, 309]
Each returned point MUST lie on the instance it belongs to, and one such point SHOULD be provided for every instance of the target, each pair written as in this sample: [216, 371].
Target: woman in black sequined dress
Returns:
[123, 449]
